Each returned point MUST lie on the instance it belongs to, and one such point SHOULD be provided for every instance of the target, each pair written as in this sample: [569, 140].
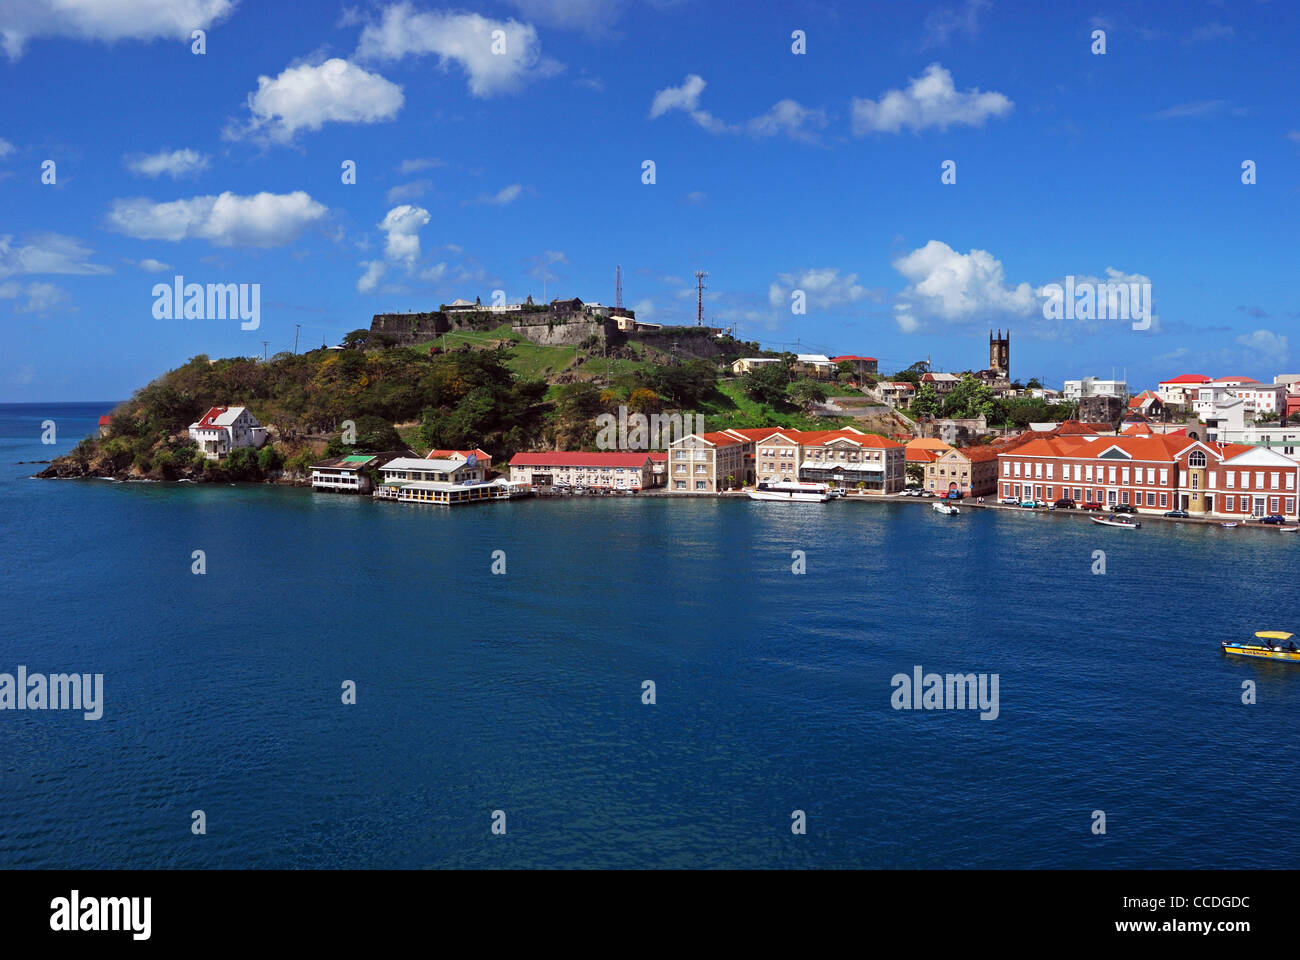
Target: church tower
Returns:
[1000, 354]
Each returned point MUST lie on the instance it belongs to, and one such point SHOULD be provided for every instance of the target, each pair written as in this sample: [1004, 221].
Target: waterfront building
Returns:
[710, 462]
[352, 473]
[482, 460]
[595, 471]
[845, 457]
[400, 471]
[223, 429]
[970, 471]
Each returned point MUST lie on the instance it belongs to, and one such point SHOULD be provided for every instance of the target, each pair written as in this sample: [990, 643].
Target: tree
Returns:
[374, 435]
[1034, 384]
[926, 402]
[644, 401]
[807, 393]
[766, 383]
[915, 473]
[845, 370]
[356, 340]
[913, 373]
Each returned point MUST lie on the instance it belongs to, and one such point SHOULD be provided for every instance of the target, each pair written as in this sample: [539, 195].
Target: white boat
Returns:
[949, 509]
[1117, 521]
[1230, 525]
[1288, 529]
[790, 491]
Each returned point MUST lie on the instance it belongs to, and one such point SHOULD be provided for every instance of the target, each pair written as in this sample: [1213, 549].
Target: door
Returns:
[1257, 510]
[1110, 497]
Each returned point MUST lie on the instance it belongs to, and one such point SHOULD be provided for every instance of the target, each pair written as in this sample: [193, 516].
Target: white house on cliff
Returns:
[223, 429]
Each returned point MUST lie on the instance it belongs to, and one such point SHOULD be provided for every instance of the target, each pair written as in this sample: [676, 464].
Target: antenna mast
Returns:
[618, 288]
[699, 296]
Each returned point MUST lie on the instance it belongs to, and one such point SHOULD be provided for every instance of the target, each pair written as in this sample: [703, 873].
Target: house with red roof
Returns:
[1181, 389]
[605, 470]
[481, 458]
[967, 471]
[862, 366]
[105, 425]
[223, 429]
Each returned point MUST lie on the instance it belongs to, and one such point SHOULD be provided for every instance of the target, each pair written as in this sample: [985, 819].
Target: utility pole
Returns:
[618, 288]
[699, 296]
[296, 328]
[264, 343]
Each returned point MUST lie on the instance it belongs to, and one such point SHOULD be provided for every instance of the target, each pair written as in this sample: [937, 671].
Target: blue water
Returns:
[522, 692]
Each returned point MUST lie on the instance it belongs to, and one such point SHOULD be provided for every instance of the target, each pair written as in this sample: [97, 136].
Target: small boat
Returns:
[1114, 520]
[1288, 529]
[948, 509]
[1230, 525]
[790, 491]
[1268, 645]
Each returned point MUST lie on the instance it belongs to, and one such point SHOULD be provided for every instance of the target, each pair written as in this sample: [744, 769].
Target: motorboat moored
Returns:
[790, 491]
[1116, 520]
[947, 509]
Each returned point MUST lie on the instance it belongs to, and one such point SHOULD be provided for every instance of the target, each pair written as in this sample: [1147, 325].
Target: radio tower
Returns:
[699, 296]
[618, 289]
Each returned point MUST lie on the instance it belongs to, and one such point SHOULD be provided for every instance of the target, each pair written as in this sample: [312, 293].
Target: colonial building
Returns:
[594, 471]
[223, 429]
[710, 462]
[970, 471]
[846, 457]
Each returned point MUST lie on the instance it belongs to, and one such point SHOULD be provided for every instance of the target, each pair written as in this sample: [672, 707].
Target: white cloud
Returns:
[1052, 298]
[541, 268]
[790, 118]
[308, 97]
[416, 164]
[1266, 344]
[687, 99]
[824, 287]
[503, 196]
[644, 309]
[943, 22]
[409, 191]
[42, 297]
[6, 148]
[370, 279]
[153, 266]
[956, 287]
[174, 163]
[930, 101]
[696, 197]
[593, 17]
[465, 39]
[402, 224]
[47, 253]
[434, 273]
[228, 220]
[107, 20]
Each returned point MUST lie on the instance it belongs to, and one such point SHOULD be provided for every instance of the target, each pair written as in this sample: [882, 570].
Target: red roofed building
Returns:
[481, 457]
[104, 425]
[223, 429]
[711, 462]
[1181, 389]
[969, 471]
[847, 457]
[600, 471]
[862, 366]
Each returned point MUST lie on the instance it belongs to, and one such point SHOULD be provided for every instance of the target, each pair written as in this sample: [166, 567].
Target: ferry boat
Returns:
[1268, 644]
[798, 490]
[948, 509]
[1115, 520]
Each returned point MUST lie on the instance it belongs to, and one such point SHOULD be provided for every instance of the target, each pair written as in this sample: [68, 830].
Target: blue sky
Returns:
[774, 171]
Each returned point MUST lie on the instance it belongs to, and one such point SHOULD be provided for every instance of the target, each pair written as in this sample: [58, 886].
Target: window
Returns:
[1006, 468]
[1088, 473]
[1214, 478]
[1272, 504]
[1196, 460]
[1124, 474]
[1111, 474]
[1038, 470]
[1124, 497]
[1017, 468]
[1273, 482]
[1259, 480]
[1164, 477]
[1151, 499]
[1164, 499]
[1231, 478]
[1151, 474]
[1290, 504]
[699, 485]
[1078, 494]
[1196, 481]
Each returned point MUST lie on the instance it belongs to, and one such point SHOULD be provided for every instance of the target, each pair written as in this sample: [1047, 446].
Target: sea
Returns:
[649, 683]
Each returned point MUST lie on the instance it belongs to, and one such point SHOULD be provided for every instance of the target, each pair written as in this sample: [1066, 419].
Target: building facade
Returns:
[593, 471]
[710, 462]
[968, 471]
[223, 429]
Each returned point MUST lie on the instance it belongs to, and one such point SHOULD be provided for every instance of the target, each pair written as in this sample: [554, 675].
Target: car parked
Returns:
[1009, 501]
[1031, 504]
[1092, 505]
[1273, 518]
[1065, 503]
[1124, 508]
[1180, 514]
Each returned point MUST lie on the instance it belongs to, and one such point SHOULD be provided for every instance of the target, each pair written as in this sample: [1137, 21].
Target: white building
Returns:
[1258, 399]
[746, 364]
[223, 429]
[1076, 390]
[1182, 389]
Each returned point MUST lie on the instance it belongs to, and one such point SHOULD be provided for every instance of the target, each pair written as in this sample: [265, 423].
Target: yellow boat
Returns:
[1269, 644]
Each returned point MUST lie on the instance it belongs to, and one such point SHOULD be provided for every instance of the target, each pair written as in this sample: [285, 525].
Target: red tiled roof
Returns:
[922, 455]
[849, 356]
[442, 454]
[566, 458]
[976, 454]
[104, 420]
[1187, 378]
[209, 418]
[1238, 379]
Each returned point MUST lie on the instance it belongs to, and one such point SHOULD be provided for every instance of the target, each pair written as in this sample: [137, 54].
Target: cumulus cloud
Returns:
[6, 148]
[404, 192]
[435, 273]
[153, 266]
[687, 99]
[228, 220]
[370, 279]
[306, 97]
[42, 297]
[791, 118]
[788, 117]
[47, 253]
[942, 23]
[402, 225]
[931, 101]
[173, 163]
[1266, 344]
[24, 20]
[1052, 298]
[465, 39]
[956, 287]
[416, 164]
[823, 286]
